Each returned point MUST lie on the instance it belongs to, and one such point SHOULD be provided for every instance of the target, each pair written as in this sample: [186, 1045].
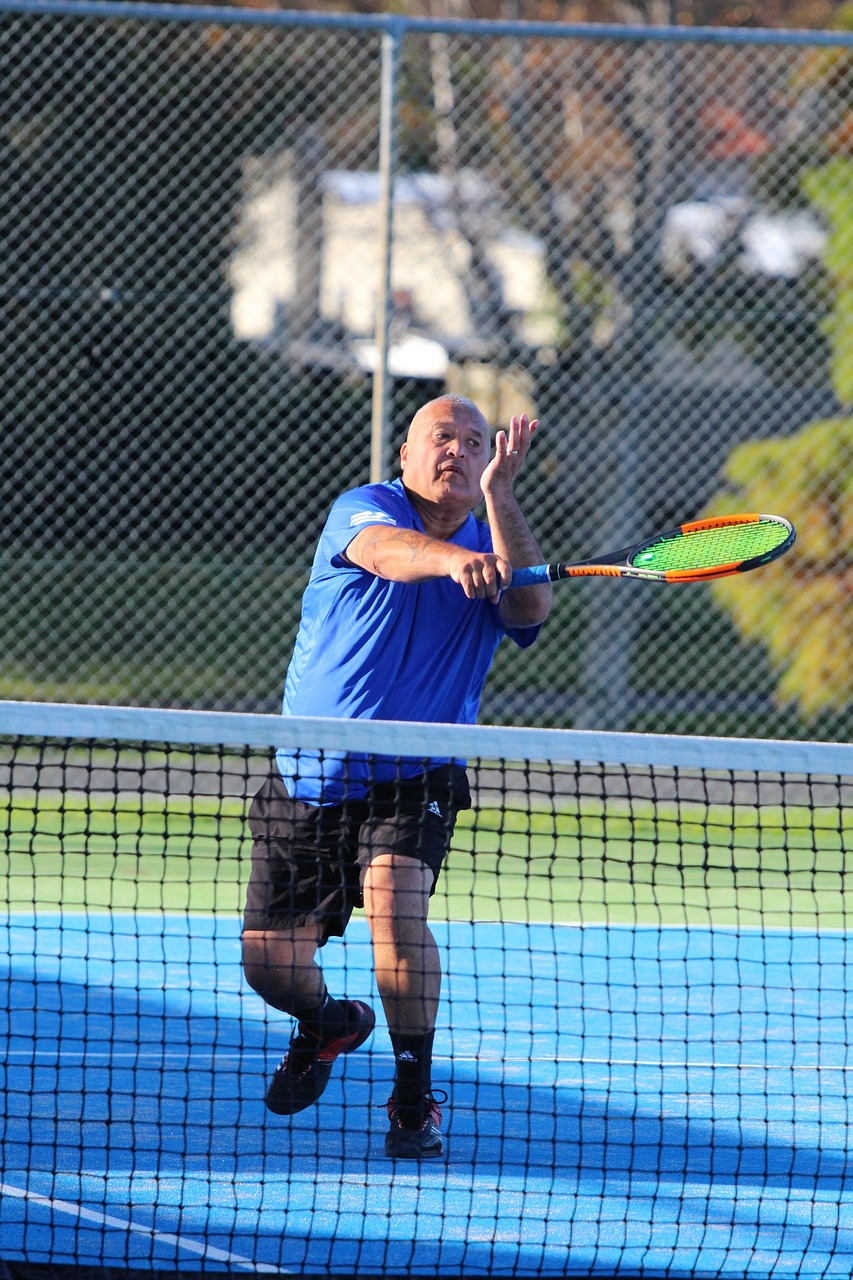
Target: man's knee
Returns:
[276, 963]
[256, 963]
[396, 896]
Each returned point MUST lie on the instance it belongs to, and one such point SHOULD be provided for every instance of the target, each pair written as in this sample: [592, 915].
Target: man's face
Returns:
[446, 453]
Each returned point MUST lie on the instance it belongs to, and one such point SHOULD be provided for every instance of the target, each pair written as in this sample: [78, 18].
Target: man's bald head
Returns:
[445, 453]
[451, 407]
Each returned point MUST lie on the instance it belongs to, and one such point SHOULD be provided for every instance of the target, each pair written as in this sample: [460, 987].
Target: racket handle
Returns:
[531, 576]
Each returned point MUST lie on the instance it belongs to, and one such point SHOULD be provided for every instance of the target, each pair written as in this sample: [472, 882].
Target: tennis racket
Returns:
[689, 553]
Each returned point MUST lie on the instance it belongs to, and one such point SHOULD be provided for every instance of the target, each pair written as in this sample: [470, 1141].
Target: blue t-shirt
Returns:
[372, 649]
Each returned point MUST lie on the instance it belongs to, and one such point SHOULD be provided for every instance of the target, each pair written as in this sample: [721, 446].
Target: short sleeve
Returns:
[356, 510]
[523, 636]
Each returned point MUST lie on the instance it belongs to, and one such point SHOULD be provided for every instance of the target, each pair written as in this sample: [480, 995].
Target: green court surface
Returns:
[592, 862]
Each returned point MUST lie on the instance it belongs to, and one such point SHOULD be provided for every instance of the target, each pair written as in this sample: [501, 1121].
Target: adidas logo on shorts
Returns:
[433, 807]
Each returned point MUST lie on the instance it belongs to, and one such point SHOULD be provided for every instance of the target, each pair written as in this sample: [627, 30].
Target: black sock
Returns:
[413, 1078]
[326, 1021]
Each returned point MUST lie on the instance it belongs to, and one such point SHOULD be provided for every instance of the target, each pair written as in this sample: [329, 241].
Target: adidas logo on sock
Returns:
[405, 1056]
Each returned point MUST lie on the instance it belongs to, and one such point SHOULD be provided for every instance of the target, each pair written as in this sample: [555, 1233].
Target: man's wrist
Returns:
[501, 499]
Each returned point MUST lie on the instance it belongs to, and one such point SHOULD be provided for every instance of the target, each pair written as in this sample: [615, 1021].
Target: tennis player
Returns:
[404, 610]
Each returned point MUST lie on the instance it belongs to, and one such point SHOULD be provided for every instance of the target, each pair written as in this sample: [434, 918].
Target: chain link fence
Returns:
[644, 238]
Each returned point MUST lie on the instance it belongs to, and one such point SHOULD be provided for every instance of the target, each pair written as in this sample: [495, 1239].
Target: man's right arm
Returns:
[406, 555]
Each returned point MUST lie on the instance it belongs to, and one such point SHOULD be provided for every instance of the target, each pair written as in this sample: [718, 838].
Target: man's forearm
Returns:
[512, 538]
[401, 555]
[406, 555]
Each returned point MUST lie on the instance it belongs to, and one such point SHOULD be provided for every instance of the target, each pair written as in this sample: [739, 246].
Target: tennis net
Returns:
[644, 1032]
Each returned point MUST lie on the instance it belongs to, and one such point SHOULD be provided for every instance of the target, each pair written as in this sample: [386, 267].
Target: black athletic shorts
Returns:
[308, 861]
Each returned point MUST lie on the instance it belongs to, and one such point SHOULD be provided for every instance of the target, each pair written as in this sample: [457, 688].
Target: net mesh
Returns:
[644, 1026]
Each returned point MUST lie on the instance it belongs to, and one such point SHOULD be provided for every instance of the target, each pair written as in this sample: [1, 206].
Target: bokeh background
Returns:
[642, 236]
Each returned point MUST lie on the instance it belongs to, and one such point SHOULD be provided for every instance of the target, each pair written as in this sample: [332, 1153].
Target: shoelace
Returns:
[433, 1102]
[300, 1047]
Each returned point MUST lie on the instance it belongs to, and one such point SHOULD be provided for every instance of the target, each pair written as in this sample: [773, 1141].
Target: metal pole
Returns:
[308, 167]
[381, 419]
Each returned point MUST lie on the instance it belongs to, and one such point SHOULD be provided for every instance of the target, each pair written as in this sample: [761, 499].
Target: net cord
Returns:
[423, 741]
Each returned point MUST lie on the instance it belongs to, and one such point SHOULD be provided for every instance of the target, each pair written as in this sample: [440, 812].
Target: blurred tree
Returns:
[800, 609]
[714, 13]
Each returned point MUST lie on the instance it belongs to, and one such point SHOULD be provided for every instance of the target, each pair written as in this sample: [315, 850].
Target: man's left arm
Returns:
[512, 538]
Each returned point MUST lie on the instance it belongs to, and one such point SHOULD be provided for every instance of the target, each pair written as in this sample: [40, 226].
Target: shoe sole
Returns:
[416, 1155]
[410, 1150]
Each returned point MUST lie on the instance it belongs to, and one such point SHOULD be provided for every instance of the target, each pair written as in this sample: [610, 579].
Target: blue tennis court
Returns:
[663, 1101]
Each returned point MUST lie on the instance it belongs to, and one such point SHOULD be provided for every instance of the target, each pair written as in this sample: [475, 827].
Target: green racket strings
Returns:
[705, 548]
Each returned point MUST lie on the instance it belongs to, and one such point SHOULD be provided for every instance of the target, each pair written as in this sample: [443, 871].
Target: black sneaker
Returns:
[305, 1071]
[423, 1143]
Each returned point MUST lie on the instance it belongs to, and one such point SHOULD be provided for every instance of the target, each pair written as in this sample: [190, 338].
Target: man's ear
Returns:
[404, 453]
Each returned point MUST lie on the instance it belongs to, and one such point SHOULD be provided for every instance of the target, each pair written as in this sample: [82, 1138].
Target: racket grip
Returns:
[531, 576]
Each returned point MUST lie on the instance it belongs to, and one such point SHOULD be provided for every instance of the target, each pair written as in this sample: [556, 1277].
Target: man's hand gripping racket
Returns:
[689, 553]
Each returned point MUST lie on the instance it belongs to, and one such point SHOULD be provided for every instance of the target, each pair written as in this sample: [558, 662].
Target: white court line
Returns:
[122, 1224]
[683, 1066]
[21, 918]
[141, 1059]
